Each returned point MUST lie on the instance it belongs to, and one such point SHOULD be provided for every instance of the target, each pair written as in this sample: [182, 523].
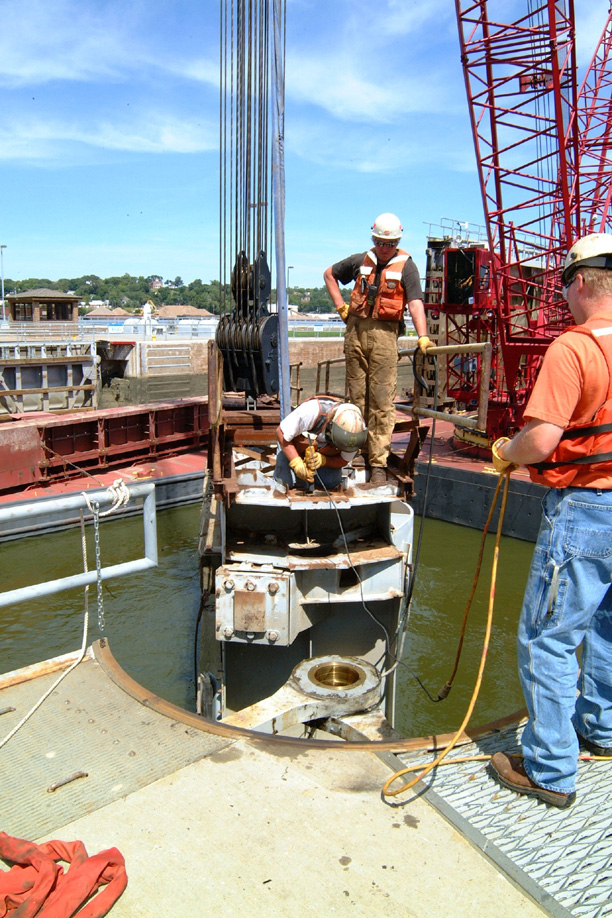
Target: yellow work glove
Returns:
[500, 465]
[343, 312]
[314, 459]
[423, 343]
[300, 468]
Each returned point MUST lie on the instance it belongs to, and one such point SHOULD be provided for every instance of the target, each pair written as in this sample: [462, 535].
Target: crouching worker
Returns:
[316, 441]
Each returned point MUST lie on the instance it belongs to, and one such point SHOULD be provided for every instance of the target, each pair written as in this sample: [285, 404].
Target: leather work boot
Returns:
[378, 475]
[593, 748]
[509, 770]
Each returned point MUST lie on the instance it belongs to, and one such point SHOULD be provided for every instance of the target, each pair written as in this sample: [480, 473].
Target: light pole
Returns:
[2, 248]
[289, 268]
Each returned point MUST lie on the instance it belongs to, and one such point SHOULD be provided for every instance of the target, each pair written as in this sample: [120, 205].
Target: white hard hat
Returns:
[346, 429]
[594, 251]
[387, 226]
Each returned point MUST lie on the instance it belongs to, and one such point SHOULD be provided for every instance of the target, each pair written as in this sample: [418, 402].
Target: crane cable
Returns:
[485, 647]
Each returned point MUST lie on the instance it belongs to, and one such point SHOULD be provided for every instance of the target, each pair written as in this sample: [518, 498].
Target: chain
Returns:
[120, 497]
[95, 509]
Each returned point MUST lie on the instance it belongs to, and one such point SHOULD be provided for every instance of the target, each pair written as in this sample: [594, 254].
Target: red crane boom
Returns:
[541, 149]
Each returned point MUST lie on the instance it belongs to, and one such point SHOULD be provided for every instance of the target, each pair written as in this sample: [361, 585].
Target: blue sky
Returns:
[109, 138]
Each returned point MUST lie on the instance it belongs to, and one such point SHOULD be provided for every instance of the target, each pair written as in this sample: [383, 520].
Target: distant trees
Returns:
[132, 292]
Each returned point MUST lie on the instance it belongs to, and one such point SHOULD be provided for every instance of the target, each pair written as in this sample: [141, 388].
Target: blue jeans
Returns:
[568, 602]
[331, 478]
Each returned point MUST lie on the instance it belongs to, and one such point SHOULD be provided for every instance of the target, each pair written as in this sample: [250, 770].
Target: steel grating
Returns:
[566, 853]
[88, 724]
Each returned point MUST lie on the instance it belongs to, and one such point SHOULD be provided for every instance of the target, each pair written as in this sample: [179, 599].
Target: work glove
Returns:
[424, 343]
[300, 469]
[500, 465]
[314, 459]
[343, 312]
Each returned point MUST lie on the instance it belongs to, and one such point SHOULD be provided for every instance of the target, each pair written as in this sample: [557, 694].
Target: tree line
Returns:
[132, 292]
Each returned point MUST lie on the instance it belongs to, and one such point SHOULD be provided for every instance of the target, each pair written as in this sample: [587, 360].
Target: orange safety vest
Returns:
[584, 452]
[387, 302]
[325, 403]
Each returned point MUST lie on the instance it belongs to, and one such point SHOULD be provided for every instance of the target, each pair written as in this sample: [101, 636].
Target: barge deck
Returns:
[226, 823]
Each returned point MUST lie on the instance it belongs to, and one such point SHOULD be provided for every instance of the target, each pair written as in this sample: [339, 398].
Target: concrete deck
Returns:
[211, 824]
[247, 831]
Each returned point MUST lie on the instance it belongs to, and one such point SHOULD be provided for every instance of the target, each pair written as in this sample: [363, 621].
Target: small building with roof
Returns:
[42, 305]
[182, 312]
[107, 312]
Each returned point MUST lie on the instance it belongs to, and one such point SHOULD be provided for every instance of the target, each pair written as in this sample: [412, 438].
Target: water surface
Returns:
[150, 617]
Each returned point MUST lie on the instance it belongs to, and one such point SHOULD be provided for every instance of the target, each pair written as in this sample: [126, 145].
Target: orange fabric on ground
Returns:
[36, 886]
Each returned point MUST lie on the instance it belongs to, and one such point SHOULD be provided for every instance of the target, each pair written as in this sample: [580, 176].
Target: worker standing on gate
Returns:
[566, 444]
[386, 282]
[316, 440]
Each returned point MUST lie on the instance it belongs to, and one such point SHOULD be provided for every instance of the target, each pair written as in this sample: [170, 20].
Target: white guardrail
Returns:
[36, 508]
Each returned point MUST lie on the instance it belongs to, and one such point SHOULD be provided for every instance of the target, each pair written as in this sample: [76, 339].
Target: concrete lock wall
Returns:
[158, 370]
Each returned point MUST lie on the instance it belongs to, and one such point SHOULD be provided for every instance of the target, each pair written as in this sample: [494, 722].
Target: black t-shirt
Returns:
[347, 271]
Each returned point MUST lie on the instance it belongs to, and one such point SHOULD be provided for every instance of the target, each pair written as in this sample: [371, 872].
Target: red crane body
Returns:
[542, 148]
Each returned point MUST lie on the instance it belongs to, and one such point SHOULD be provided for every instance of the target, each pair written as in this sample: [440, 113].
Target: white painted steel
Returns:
[77, 502]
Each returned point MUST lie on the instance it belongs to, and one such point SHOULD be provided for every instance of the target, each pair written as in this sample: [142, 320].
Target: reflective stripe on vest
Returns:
[584, 452]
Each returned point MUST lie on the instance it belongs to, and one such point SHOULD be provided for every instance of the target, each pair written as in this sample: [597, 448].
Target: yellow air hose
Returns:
[485, 647]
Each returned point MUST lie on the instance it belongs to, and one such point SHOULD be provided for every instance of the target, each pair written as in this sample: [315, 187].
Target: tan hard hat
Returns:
[593, 251]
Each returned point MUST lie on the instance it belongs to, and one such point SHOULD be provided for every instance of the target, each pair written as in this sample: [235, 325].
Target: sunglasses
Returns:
[566, 287]
[385, 245]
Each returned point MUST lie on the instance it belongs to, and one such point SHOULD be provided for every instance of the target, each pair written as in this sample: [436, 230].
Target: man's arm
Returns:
[286, 445]
[333, 288]
[534, 443]
[417, 314]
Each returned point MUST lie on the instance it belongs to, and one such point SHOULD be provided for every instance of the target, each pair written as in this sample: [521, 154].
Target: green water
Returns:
[150, 617]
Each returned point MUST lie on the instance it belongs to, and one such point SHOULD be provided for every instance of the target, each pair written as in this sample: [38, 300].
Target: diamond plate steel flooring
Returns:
[567, 854]
[88, 724]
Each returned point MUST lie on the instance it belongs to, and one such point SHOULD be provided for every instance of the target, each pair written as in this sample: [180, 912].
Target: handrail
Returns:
[39, 507]
[486, 349]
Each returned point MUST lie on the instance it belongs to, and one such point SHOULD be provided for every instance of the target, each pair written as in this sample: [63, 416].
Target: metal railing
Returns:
[36, 508]
[480, 421]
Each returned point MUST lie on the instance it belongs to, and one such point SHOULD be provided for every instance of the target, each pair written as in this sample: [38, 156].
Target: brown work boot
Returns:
[594, 748]
[378, 475]
[509, 770]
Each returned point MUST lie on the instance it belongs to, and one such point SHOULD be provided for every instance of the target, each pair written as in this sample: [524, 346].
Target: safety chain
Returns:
[120, 494]
[94, 506]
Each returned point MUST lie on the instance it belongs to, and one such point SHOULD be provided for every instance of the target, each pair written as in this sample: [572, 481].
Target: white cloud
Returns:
[44, 140]
[48, 40]
[61, 40]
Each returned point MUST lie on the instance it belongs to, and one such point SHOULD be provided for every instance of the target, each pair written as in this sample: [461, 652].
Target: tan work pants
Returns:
[370, 350]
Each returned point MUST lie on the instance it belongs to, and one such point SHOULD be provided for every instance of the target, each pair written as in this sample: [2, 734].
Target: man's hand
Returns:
[300, 469]
[343, 312]
[314, 459]
[424, 343]
[500, 465]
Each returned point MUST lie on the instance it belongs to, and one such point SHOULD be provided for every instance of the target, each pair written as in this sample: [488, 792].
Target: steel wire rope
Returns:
[402, 626]
[347, 551]
[81, 653]
[120, 497]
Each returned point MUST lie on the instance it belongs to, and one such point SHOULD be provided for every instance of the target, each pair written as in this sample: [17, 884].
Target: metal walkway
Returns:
[561, 857]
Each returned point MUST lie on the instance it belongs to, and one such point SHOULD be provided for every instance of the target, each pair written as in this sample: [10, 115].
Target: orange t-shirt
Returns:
[573, 381]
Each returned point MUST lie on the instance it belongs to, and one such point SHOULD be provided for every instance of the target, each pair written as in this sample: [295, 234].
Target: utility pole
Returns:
[2, 248]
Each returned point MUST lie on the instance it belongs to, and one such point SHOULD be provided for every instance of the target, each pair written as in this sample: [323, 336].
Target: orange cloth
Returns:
[37, 887]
